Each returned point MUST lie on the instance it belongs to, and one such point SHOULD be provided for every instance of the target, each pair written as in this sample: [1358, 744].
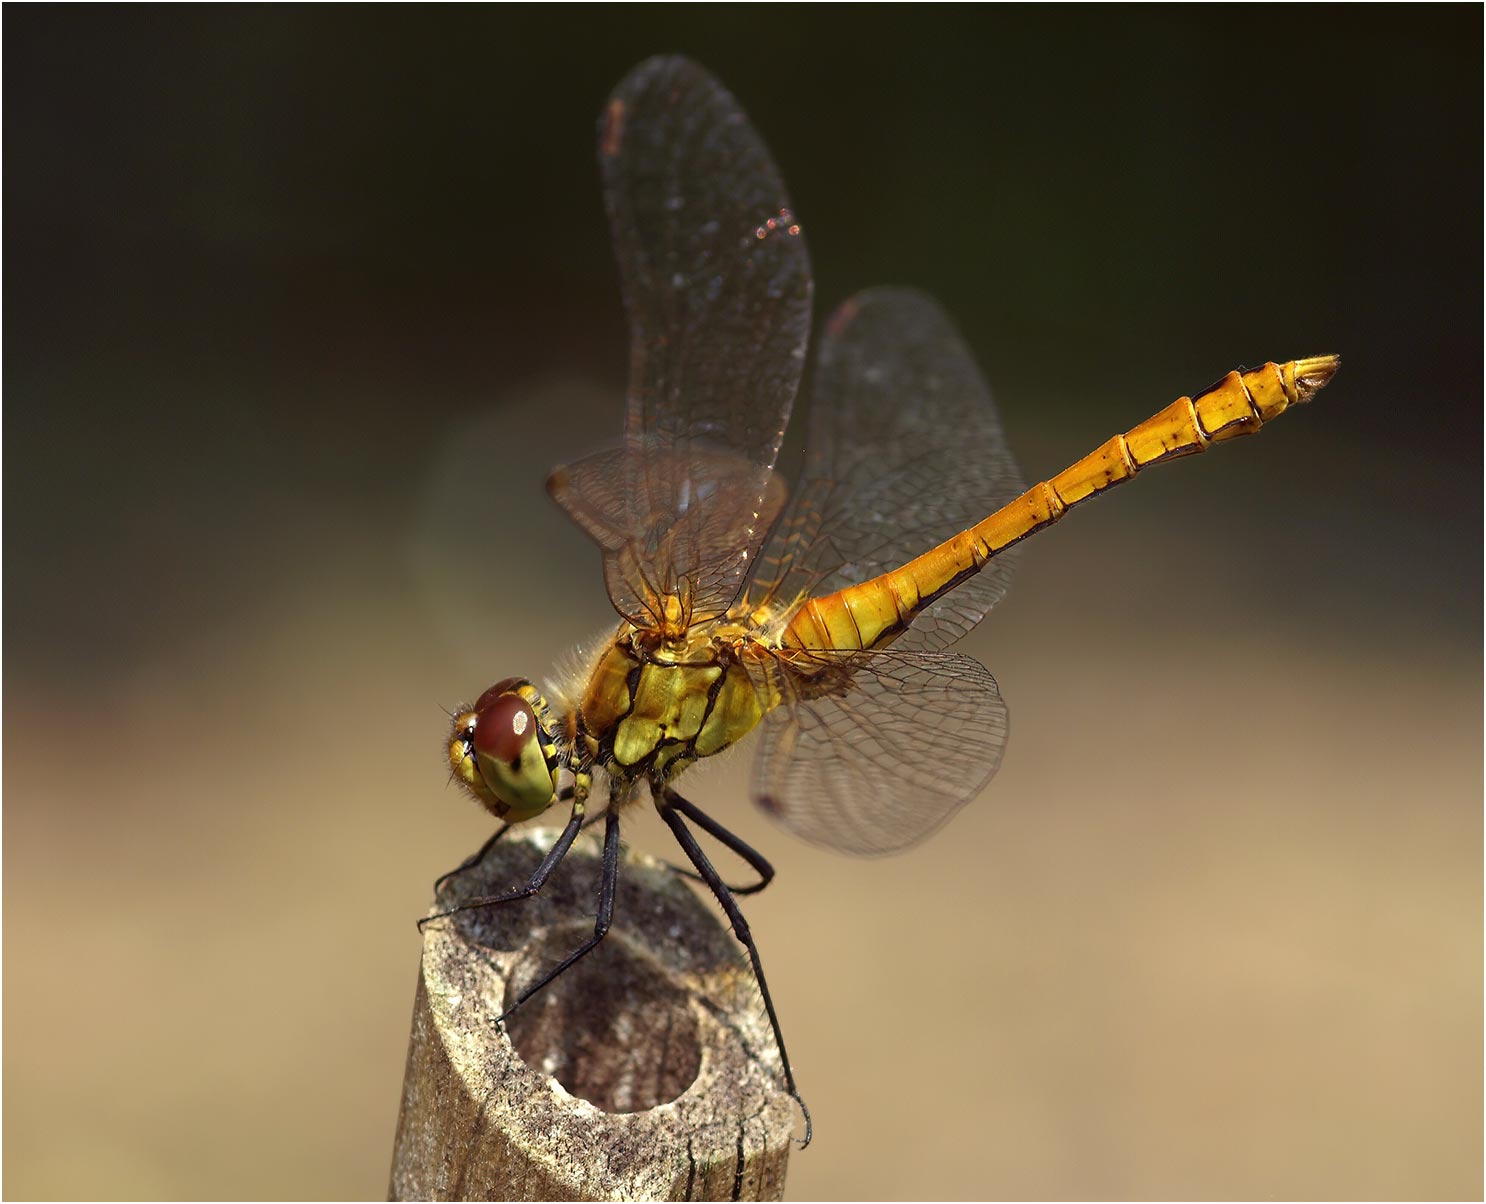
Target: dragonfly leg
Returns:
[737, 844]
[607, 884]
[475, 858]
[538, 878]
[668, 812]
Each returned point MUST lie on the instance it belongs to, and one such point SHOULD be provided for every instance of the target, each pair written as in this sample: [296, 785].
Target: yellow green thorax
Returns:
[654, 706]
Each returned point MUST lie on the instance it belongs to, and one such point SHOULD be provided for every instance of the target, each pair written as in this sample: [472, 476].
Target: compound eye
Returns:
[504, 729]
[507, 685]
[516, 762]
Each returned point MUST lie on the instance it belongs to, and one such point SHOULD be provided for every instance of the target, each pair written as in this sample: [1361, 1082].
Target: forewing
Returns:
[911, 737]
[717, 285]
[904, 450]
[716, 281]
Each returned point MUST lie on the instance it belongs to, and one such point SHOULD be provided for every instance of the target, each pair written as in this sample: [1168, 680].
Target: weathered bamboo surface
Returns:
[647, 1071]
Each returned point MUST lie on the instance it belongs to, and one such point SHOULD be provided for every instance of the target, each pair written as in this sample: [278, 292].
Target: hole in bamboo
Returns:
[614, 1029]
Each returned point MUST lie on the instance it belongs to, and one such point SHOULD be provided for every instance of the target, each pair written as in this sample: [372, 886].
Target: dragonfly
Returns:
[823, 618]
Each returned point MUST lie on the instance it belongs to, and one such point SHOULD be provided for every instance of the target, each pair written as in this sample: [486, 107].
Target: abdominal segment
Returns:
[873, 613]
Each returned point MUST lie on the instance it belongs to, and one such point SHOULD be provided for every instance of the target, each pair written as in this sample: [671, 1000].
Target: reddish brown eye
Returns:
[504, 686]
[504, 728]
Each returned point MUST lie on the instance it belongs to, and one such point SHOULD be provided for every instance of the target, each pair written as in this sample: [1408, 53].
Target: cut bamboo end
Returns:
[647, 1071]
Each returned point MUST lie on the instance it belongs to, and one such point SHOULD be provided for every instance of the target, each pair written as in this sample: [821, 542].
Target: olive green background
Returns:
[302, 304]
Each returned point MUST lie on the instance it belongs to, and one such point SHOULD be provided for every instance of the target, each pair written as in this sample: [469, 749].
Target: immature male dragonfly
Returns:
[825, 620]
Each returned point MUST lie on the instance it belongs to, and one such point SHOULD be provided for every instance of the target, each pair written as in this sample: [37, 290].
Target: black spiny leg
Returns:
[475, 858]
[607, 884]
[538, 879]
[668, 806]
[737, 844]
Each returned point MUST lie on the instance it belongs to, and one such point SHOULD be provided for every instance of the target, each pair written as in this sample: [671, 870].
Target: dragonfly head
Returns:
[504, 752]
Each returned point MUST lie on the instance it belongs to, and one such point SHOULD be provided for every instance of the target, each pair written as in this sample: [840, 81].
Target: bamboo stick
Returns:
[647, 1071]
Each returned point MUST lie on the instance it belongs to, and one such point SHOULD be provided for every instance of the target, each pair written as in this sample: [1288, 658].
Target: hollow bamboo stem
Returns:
[646, 1071]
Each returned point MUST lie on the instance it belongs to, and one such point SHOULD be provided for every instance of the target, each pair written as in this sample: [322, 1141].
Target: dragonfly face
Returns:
[503, 751]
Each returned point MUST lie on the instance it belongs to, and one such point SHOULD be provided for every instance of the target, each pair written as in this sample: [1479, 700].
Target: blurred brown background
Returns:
[303, 304]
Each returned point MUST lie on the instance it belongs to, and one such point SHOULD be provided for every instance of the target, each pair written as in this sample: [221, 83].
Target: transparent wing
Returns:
[906, 739]
[716, 285]
[904, 450]
[692, 542]
[716, 282]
